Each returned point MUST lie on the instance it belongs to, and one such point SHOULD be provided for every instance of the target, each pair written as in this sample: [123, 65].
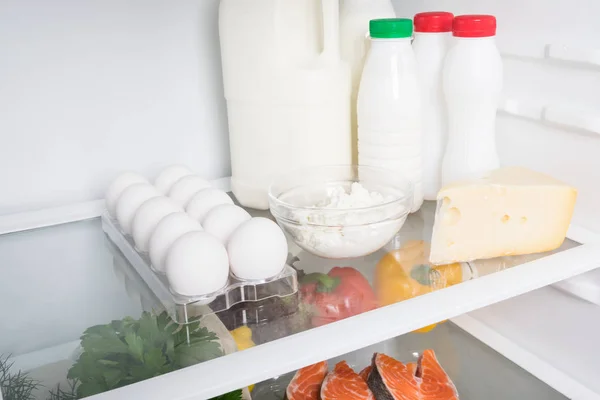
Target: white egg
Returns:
[197, 264]
[257, 249]
[184, 189]
[130, 200]
[168, 176]
[223, 220]
[117, 186]
[147, 217]
[204, 201]
[169, 229]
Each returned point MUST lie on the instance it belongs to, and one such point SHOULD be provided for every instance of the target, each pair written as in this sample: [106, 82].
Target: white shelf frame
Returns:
[24, 221]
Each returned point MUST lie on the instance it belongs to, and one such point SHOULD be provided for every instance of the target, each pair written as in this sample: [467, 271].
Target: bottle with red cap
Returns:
[433, 36]
[472, 81]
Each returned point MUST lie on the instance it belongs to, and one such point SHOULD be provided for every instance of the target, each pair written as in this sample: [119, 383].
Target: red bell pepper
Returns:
[341, 293]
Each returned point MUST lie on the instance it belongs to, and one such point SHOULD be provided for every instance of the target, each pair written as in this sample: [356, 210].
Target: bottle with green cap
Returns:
[389, 106]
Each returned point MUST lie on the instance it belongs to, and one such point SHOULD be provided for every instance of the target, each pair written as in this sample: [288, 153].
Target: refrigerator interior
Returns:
[92, 88]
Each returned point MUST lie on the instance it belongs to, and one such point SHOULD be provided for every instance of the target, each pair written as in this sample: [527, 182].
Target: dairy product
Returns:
[389, 116]
[354, 40]
[433, 35]
[357, 197]
[287, 91]
[511, 211]
[472, 80]
[347, 233]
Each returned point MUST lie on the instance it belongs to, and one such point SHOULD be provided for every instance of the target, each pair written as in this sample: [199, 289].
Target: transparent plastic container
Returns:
[184, 309]
[339, 233]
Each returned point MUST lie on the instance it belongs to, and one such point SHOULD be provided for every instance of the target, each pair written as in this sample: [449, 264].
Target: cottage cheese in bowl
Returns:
[343, 211]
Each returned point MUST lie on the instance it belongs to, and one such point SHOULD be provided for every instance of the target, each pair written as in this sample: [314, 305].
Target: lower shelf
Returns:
[477, 371]
[560, 344]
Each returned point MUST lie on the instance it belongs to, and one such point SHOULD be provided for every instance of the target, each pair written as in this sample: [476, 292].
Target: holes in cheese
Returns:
[474, 219]
[452, 216]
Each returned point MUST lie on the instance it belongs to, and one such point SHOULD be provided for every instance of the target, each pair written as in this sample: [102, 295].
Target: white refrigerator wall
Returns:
[91, 87]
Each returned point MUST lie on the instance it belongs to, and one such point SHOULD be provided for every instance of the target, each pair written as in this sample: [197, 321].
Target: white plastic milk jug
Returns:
[287, 90]
[389, 107]
[472, 87]
[354, 36]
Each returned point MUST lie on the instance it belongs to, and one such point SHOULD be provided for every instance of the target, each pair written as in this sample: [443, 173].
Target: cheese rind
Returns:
[511, 211]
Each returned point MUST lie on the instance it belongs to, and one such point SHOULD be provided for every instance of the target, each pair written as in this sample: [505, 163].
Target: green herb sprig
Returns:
[128, 351]
[68, 393]
[15, 385]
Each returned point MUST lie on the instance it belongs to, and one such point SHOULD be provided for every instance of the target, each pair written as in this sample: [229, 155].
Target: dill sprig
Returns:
[69, 393]
[15, 385]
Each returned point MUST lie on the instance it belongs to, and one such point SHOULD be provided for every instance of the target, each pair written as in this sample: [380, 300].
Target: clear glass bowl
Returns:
[333, 232]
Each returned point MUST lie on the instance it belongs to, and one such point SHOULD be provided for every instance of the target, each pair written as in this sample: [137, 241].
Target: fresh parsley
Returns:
[129, 351]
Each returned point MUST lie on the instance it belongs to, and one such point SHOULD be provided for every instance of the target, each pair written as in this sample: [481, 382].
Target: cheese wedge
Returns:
[511, 211]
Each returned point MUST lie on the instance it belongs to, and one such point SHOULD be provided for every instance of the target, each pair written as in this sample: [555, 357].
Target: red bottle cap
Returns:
[433, 21]
[471, 26]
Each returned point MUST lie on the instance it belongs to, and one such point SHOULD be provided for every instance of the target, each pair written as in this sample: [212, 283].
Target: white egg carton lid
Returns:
[184, 309]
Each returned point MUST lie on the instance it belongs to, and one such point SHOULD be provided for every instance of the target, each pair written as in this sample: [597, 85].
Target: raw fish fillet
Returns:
[435, 383]
[392, 380]
[306, 383]
[365, 372]
[344, 384]
[412, 368]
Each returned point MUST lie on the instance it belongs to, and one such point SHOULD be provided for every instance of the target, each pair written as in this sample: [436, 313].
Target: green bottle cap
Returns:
[391, 28]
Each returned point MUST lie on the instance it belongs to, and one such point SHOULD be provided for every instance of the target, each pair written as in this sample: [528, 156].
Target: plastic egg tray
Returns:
[184, 309]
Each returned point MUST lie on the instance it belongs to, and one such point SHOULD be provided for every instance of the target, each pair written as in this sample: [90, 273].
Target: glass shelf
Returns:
[61, 280]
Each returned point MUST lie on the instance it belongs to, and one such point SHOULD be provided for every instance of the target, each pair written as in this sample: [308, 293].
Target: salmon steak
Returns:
[344, 384]
[306, 384]
[435, 383]
[365, 372]
[426, 380]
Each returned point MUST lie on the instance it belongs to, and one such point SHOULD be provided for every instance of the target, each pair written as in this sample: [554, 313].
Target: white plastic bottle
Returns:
[389, 109]
[472, 88]
[433, 36]
[354, 40]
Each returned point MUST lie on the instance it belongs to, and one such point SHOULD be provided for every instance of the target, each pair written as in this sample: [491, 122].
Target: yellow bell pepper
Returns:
[406, 273]
[243, 339]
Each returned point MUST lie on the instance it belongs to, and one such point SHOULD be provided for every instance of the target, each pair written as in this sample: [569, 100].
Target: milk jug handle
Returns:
[331, 29]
